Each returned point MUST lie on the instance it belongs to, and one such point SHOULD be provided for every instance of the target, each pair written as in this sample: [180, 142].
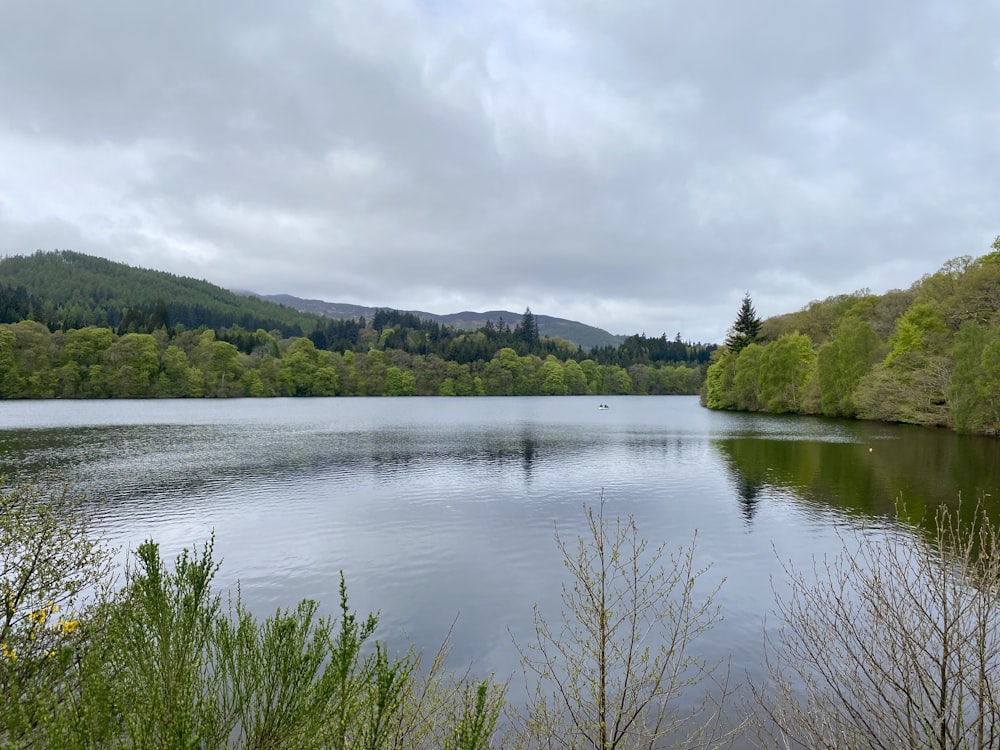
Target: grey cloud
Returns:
[641, 162]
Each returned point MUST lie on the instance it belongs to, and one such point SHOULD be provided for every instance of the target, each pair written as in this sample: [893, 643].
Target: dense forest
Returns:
[75, 326]
[928, 355]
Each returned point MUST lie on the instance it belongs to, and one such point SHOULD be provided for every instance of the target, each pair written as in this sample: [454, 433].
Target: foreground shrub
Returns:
[161, 663]
[895, 643]
[620, 669]
[49, 564]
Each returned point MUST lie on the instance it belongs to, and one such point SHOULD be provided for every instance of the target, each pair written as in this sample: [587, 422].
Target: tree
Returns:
[610, 675]
[785, 367]
[527, 329]
[911, 384]
[553, 378]
[9, 377]
[134, 361]
[988, 388]
[892, 644]
[720, 380]
[965, 394]
[399, 382]
[746, 328]
[49, 564]
[842, 362]
[746, 379]
[920, 329]
[575, 378]
[300, 361]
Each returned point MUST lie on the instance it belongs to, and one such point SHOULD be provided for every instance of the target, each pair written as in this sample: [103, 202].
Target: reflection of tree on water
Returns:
[748, 482]
[836, 474]
[749, 491]
[511, 448]
[527, 453]
[918, 468]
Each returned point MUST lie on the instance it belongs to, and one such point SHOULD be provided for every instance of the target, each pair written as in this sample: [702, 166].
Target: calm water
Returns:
[442, 511]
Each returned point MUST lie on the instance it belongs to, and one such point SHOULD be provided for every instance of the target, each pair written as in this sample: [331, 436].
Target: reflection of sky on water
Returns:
[438, 509]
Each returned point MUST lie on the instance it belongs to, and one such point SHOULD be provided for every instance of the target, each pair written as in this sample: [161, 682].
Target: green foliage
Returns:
[273, 689]
[481, 705]
[911, 383]
[720, 381]
[746, 380]
[842, 362]
[399, 382]
[939, 364]
[98, 363]
[818, 320]
[161, 664]
[48, 565]
[974, 391]
[964, 390]
[527, 329]
[745, 328]
[156, 649]
[80, 290]
[67, 290]
[912, 390]
[553, 380]
[105, 330]
[920, 329]
[785, 367]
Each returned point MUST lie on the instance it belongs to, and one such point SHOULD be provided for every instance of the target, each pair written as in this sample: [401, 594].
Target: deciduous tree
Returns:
[610, 674]
[892, 644]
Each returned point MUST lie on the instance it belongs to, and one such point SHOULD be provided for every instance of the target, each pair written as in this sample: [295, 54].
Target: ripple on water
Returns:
[444, 508]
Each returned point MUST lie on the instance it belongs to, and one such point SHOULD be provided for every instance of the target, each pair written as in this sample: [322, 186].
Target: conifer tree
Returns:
[746, 328]
[528, 328]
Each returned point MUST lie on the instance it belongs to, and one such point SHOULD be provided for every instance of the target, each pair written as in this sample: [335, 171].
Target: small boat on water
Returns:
[603, 406]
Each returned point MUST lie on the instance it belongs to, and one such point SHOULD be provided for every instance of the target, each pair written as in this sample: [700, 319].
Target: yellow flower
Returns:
[6, 652]
[50, 653]
[68, 626]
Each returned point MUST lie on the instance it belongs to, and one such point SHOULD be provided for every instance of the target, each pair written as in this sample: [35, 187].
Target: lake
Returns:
[441, 512]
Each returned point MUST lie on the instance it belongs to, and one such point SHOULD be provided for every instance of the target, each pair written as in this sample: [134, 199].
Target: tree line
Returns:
[96, 362]
[76, 326]
[929, 355]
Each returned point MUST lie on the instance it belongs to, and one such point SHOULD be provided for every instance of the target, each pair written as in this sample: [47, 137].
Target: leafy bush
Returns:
[162, 664]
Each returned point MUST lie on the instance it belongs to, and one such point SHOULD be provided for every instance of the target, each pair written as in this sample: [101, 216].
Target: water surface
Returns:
[441, 511]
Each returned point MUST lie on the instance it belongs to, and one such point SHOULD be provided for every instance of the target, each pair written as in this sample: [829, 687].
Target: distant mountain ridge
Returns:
[580, 334]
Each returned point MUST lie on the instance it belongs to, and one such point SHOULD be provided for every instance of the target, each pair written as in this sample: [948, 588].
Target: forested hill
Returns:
[927, 355]
[74, 326]
[65, 289]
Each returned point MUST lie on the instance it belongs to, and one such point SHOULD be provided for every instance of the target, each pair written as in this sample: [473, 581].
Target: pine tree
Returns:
[527, 330]
[745, 329]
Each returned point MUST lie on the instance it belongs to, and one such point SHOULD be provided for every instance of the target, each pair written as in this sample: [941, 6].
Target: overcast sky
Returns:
[637, 165]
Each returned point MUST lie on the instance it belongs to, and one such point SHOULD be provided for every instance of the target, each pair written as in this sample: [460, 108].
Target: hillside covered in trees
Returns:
[75, 326]
[66, 290]
[928, 355]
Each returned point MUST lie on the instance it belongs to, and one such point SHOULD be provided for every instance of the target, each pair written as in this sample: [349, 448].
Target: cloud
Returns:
[637, 165]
